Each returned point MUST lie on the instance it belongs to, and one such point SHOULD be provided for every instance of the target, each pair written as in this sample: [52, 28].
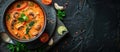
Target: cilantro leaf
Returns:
[23, 18]
[27, 30]
[31, 23]
[18, 47]
[60, 14]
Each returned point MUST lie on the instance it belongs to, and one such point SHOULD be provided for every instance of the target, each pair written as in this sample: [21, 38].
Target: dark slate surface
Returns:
[93, 26]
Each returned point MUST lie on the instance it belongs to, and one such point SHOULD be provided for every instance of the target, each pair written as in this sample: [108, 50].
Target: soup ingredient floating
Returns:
[18, 47]
[24, 20]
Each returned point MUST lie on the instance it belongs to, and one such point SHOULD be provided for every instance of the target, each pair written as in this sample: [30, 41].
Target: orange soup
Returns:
[24, 20]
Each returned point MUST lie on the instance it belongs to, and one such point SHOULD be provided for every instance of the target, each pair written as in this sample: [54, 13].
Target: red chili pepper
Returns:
[44, 38]
[23, 6]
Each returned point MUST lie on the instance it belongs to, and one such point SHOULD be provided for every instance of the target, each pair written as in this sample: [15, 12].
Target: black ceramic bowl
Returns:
[6, 30]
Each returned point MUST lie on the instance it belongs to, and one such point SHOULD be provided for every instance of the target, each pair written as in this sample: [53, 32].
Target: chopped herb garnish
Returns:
[20, 19]
[29, 27]
[18, 47]
[27, 30]
[23, 18]
[60, 14]
[31, 23]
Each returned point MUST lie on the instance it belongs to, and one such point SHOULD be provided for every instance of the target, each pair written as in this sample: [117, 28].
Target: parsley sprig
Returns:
[18, 47]
[23, 18]
[29, 27]
[60, 14]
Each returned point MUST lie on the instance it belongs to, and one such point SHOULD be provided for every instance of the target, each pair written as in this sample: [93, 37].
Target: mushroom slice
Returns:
[21, 27]
[13, 23]
[16, 15]
[37, 27]
[32, 14]
[18, 25]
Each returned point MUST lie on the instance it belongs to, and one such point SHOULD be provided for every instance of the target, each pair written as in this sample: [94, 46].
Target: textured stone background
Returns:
[93, 24]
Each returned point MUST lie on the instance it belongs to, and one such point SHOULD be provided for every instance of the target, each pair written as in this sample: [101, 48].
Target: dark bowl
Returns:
[9, 34]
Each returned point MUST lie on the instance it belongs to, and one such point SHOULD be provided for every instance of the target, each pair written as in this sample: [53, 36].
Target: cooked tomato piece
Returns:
[47, 2]
[44, 38]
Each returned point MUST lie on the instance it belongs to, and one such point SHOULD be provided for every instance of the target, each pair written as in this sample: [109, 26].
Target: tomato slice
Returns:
[44, 38]
[22, 6]
[47, 2]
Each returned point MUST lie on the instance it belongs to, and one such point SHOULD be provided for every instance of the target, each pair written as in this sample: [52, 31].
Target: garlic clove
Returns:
[58, 7]
[50, 43]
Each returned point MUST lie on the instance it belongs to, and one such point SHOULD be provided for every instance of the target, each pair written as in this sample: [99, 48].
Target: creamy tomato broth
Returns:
[24, 20]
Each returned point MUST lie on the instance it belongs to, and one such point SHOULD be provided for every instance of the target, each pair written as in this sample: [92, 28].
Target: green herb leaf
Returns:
[18, 47]
[60, 14]
[11, 47]
[31, 23]
[23, 18]
[27, 30]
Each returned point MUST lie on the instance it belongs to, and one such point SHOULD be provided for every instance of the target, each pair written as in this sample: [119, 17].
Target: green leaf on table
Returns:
[60, 14]
[18, 47]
